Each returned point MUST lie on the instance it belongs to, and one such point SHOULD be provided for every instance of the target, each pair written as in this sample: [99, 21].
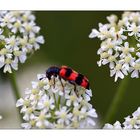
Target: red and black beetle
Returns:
[69, 74]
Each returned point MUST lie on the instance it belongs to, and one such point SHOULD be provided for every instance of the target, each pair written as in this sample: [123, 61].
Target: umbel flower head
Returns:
[51, 105]
[131, 122]
[19, 37]
[120, 46]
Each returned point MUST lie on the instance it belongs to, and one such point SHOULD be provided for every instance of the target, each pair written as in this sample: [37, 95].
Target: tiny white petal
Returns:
[135, 74]
[40, 39]
[94, 33]
[19, 102]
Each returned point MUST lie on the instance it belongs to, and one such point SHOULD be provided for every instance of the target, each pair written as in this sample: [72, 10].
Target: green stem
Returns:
[58, 103]
[55, 99]
[116, 103]
[12, 78]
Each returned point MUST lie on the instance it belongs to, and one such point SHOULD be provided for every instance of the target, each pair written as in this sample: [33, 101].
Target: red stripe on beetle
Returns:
[84, 83]
[62, 72]
[73, 76]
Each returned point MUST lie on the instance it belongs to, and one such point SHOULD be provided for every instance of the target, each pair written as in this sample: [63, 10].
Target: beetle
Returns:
[68, 74]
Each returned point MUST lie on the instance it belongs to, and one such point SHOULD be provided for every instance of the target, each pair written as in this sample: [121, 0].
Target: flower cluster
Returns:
[120, 46]
[131, 122]
[18, 38]
[55, 104]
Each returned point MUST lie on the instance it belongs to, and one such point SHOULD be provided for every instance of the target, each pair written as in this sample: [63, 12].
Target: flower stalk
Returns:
[117, 101]
[13, 82]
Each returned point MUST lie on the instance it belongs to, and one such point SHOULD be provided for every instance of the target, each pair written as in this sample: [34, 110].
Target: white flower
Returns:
[109, 46]
[131, 122]
[72, 99]
[103, 33]
[136, 113]
[19, 37]
[118, 71]
[120, 37]
[31, 28]
[127, 62]
[107, 58]
[133, 30]
[94, 33]
[46, 103]
[112, 18]
[126, 50]
[134, 17]
[10, 64]
[50, 106]
[136, 69]
[17, 26]
[120, 47]
[116, 125]
[20, 102]
[87, 123]
[35, 41]
[7, 19]
[134, 121]
[11, 42]
[63, 116]
[21, 56]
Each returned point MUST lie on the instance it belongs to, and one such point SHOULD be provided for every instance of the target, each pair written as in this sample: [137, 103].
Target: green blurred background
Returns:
[67, 43]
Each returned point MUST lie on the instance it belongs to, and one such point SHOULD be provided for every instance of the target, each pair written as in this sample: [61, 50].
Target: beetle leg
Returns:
[73, 83]
[53, 82]
[62, 85]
